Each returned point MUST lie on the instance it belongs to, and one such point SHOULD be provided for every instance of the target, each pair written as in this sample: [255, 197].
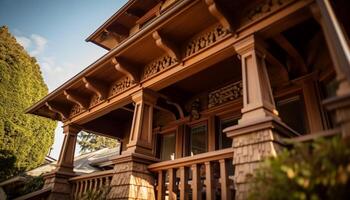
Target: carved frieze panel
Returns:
[263, 9]
[206, 39]
[95, 100]
[227, 93]
[158, 65]
[76, 109]
[121, 85]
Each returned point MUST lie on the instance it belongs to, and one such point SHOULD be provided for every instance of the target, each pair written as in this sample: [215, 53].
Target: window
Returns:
[167, 146]
[292, 112]
[198, 139]
[222, 139]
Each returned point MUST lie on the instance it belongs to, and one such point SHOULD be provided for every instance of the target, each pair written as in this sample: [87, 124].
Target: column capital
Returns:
[145, 95]
[249, 43]
[71, 129]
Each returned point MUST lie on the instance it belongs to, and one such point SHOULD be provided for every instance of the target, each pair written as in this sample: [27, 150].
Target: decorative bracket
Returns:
[126, 68]
[82, 102]
[97, 87]
[168, 46]
[217, 13]
[63, 112]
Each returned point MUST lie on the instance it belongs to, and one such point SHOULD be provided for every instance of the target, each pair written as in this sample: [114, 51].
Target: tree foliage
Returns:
[24, 138]
[310, 171]
[90, 142]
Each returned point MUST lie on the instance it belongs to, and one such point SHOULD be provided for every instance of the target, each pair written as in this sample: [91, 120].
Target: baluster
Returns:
[101, 183]
[161, 185]
[94, 186]
[81, 188]
[183, 183]
[74, 187]
[209, 181]
[90, 184]
[172, 180]
[85, 183]
[225, 189]
[196, 183]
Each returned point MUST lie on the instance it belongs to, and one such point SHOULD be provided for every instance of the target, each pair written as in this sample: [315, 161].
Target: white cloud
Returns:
[55, 73]
[40, 44]
[35, 44]
[24, 41]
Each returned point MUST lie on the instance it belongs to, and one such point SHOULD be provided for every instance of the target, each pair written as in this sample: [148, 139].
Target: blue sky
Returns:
[54, 32]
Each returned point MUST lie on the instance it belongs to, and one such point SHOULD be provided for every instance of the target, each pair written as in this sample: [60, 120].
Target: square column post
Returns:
[58, 179]
[258, 132]
[340, 54]
[132, 180]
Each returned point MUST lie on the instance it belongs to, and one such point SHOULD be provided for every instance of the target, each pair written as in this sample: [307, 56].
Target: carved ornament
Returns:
[227, 93]
[158, 65]
[121, 85]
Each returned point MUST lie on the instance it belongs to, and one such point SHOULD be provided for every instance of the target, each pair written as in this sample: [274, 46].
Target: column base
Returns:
[341, 106]
[132, 180]
[59, 184]
[252, 143]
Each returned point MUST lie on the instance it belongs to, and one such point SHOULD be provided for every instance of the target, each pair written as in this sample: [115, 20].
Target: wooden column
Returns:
[58, 179]
[141, 137]
[312, 105]
[258, 100]
[340, 54]
[66, 158]
[259, 130]
[132, 180]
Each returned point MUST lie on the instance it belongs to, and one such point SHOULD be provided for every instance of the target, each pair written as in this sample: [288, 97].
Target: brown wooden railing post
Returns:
[225, 190]
[196, 183]
[209, 181]
[183, 183]
[172, 180]
[161, 185]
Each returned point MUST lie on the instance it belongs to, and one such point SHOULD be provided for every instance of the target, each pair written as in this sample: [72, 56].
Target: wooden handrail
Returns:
[313, 136]
[92, 175]
[188, 161]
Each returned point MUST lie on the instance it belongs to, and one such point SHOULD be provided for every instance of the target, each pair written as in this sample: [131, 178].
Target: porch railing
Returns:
[90, 183]
[192, 177]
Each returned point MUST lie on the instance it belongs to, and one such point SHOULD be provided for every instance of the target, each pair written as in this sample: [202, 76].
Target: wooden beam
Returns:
[276, 68]
[75, 98]
[167, 45]
[119, 30]
[215, 10]
[97, 87]
[127, 68]
[62, 111]
[292, 52]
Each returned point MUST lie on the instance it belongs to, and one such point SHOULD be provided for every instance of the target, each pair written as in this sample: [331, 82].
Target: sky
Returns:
[54, 32]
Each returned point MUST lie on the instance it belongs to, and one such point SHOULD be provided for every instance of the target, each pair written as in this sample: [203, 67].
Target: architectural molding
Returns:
[127, 68]
[75, 98]
[216, 11]
[167, 45]
[227, 93]
[62, 111]
[96, 87]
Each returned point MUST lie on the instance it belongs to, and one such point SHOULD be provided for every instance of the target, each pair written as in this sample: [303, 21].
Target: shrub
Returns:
[312, 171]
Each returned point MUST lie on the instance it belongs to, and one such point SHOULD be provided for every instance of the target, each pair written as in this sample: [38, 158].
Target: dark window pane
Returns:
[224, 141]
[167, 151]
[198, 139]
[292, 112]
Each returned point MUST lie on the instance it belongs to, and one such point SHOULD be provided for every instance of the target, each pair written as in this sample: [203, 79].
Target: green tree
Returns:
[310, 171]
[24, 139]
[90, 142]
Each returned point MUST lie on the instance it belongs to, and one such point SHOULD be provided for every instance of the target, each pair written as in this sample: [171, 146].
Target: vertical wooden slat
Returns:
[90, 184]
[172, 179]
[81, 188]
[225, 190]
[183, 183]
[161, 185]
[209, 181]
[196, 183]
